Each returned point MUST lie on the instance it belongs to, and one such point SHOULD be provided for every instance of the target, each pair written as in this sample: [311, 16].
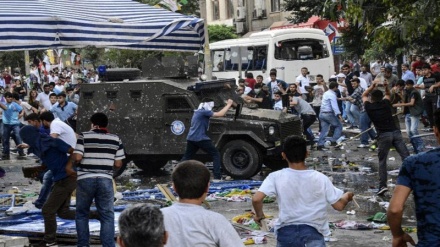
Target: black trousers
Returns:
[308, 120]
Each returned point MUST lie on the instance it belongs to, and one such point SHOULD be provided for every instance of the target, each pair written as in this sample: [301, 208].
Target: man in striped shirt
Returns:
[97, 152]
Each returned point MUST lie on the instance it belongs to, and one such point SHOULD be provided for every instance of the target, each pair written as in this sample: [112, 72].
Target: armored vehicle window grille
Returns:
[135, 94]
[291, 128]
[112, 94]
[178, 104]
[88, 95]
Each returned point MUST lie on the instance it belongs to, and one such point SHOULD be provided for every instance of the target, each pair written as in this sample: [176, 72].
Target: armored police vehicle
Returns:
[153, 117]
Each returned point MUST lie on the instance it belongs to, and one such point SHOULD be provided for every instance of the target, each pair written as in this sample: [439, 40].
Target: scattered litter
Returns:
[409, 229]
[351, 212]
[28, 206]
[378, 231]
[392, 158]
[384, 205]
[330, 239]
[378, 217]
[386, 238]
[393, 172]
[254, 240]
[384, 227]
[352, 225]
[268, 199]
[238, 199]
[247, 219]
[135, 181]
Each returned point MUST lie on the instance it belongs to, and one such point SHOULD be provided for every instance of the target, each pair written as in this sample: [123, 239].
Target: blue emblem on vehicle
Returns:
[177, 127]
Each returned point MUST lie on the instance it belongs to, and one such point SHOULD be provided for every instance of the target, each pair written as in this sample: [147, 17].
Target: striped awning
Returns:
[125, 24]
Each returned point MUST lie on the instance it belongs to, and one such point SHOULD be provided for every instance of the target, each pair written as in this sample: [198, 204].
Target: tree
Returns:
[15, 59]
[221, 32]
[93, 54]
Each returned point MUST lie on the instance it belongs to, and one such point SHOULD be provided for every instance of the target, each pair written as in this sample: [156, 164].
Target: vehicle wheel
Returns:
[241, 159]
[122, 74]
[275, 164]
[150, 165]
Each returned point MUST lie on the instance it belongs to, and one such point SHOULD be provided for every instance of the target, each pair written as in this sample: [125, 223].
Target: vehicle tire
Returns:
[122, 74]
[240, 159]
[275, 164]
[150, 165]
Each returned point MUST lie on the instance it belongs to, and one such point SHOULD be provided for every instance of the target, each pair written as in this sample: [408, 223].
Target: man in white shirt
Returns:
[303, 217]
[58, 129]
[43, 97]
[375, 67]
[302, 80]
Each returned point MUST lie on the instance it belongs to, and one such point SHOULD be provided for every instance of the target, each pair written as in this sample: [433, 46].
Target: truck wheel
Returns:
[240, 159]
[150, 165]
[275, 164]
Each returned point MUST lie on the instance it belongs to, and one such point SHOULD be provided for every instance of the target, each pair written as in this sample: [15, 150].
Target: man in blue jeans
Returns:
[330, 116]
[303, 196]
[98, 152]
[53, 153]
[197, 138]
[11, 123]
[379, 109]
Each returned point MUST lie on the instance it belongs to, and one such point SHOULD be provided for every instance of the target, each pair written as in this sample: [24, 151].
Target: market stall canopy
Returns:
[124, 24]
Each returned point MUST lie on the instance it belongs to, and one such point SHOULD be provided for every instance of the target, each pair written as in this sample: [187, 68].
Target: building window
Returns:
[215, 10]
[275, 5]
[229, 9]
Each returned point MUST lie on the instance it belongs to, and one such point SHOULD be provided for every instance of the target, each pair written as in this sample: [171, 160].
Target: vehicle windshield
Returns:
[301, 49]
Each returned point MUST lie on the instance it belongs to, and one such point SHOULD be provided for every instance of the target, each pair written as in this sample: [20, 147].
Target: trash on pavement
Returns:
[378, 217]
[351, 212]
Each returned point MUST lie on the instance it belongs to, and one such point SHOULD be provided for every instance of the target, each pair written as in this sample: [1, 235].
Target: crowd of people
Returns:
[46, 106]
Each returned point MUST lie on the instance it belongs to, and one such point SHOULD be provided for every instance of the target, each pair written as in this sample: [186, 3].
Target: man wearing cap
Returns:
[413, 110]
[63, 109]
[197, 138]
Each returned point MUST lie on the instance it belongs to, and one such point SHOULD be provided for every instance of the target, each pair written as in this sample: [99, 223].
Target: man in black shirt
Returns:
[379, 110]
[430, 82]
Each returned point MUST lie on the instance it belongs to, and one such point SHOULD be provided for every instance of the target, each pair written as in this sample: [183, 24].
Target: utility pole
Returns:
[206, 51]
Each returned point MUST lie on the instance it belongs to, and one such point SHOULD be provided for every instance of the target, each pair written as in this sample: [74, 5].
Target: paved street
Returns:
[351, 179]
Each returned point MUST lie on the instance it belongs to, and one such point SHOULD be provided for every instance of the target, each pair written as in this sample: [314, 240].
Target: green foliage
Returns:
[93, 54]
[221, 32]
[378, 28]
[15, 59]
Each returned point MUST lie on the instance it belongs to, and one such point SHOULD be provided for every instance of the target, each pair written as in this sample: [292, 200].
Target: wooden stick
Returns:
[355, 202]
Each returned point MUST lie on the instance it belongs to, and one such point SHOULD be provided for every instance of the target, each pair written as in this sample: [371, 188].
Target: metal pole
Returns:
[27, 63]
[206, 51]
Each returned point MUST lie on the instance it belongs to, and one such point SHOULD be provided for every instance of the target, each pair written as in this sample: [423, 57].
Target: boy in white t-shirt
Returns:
[303, 201]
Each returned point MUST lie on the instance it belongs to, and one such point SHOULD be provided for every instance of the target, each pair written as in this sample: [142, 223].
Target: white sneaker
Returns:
[363, 146]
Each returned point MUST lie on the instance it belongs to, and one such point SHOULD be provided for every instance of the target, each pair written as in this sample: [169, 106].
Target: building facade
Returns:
[245, 15]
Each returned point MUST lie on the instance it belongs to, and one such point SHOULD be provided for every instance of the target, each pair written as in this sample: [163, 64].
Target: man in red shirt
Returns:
[418, 63]
[7, 77]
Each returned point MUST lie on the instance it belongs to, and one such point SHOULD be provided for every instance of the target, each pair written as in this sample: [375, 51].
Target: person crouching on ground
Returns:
[303, 199]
